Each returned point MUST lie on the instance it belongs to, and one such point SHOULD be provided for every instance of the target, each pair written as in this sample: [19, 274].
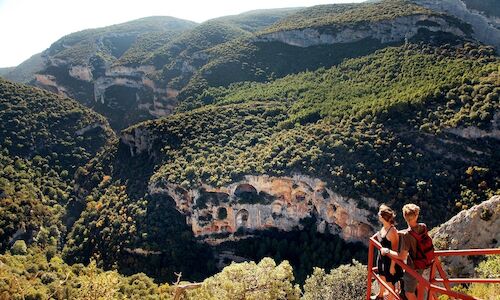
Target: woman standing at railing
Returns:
[388, 237]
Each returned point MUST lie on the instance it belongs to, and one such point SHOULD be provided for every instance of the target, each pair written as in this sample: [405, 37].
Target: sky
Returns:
[28, 27]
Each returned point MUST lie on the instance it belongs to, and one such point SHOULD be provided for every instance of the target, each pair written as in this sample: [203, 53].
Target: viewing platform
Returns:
[437, 282]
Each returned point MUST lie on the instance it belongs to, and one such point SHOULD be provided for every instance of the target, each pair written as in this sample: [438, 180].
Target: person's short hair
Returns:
[387, 213]
[410, 211]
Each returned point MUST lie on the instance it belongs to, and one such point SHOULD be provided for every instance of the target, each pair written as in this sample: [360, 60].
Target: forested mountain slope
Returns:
[45, 138]
[320, 36]
[178, 60]
[104, 63]
[25, 72]
[4, 71]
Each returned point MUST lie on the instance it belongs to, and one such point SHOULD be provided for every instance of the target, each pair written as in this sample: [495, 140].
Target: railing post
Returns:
[370, 267]
[442, 273]
[421, 290]
[432, 277]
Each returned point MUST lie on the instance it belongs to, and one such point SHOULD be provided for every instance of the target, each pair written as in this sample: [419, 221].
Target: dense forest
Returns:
[45, 138]
[36, 274]
[88, 205]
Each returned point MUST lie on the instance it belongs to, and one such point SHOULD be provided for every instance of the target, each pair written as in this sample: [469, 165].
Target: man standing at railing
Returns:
[416, 248]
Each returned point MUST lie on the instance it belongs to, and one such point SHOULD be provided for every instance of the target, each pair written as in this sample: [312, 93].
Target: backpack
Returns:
[424, 257]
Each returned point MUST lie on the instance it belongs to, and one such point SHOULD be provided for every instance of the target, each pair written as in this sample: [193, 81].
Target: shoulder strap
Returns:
[416, 234]
[387, 232]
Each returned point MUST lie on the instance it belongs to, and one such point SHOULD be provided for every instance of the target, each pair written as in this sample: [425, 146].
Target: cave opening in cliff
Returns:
[222, 213]
[245, 188]
[242, 218]
[247, 193]
[214, 198]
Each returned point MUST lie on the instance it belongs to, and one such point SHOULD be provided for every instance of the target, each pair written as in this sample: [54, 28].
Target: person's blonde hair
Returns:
[410, 211]
[387, 213]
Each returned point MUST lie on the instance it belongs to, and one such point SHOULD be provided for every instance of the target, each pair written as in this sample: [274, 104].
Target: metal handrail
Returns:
[429, 285]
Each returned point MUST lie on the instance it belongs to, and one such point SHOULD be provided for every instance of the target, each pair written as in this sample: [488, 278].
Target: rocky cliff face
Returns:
[108, 69]
[260, 202]
[138, 141]
[476, 227]
[157, 101]
[110, 88]
[485, 28]
[387, 31]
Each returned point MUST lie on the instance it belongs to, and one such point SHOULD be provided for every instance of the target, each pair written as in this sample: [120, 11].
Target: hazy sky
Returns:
[30, 26]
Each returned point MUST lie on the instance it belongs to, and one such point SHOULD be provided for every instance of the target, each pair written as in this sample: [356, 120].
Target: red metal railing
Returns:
[428, 287]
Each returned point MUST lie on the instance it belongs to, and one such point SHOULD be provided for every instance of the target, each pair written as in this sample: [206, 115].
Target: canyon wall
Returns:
[261, 202]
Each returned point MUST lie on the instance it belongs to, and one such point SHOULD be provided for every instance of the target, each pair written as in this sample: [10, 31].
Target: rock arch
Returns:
[247, 193]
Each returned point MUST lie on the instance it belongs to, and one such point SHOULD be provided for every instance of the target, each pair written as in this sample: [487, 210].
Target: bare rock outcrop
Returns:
[49, 83]
[260, 202]
[138, 141]
[394, 30]
[105, 88]
[477, 227]
[90, 127]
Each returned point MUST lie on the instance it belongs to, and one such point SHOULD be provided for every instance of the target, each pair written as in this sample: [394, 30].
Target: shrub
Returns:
[19, 248]
[248, 280]
[490, 268]
[344, 282]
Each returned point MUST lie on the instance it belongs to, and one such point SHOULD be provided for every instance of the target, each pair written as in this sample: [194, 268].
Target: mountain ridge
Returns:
[160, 71]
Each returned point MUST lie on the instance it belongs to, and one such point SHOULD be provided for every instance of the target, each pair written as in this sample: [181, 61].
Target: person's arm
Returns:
[402, 255]
[394, 254]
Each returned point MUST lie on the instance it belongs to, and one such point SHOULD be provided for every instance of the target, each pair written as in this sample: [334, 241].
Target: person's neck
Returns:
[386, 225]
[413, 224]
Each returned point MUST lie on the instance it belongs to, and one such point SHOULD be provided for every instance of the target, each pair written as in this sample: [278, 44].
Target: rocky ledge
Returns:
[476, 227]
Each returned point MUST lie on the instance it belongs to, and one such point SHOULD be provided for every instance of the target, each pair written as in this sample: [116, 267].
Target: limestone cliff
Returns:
[260, 202]
[485, 28]
[138, 141]
[115, 73]
[476, 227]
[387, 31]
[110, 88]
